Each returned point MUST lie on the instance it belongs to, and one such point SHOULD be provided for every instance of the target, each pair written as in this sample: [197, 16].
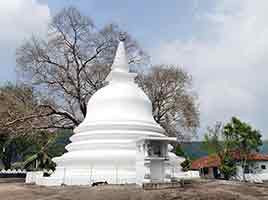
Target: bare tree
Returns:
[71, 64]
[173, 100]
[19, 111]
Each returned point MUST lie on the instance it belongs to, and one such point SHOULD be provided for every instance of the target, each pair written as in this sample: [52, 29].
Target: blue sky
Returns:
[148, 21]
[223, 44]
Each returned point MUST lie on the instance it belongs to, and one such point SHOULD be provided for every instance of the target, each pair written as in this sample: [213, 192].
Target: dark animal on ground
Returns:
[99, 183]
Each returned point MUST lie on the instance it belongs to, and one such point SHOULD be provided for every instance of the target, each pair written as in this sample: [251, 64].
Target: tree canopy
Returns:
[245, 139]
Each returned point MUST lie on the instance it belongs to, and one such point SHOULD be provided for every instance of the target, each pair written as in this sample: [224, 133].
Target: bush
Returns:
[186, 165]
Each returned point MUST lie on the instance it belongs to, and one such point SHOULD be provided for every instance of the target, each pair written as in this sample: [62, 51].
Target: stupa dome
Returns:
[121, 101]
[118, 102]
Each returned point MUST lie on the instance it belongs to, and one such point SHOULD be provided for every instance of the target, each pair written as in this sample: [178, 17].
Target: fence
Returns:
[12, 173]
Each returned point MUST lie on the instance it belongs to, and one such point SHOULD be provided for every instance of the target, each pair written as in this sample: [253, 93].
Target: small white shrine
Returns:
[118, 141]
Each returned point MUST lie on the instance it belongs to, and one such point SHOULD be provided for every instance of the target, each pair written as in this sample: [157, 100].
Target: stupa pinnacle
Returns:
[120, 67]
[120, 61]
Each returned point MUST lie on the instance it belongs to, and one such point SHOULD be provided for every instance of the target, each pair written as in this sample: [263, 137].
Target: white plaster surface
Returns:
[32, 177]
[103, 147]
[257, 174]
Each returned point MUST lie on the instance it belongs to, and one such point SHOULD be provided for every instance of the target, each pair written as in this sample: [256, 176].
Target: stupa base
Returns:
[49, 181]
[88, 176]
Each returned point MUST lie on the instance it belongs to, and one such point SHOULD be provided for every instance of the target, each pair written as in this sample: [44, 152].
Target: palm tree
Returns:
[39, 155]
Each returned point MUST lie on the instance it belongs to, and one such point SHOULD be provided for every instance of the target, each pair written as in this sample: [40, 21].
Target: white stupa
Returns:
[118, 141]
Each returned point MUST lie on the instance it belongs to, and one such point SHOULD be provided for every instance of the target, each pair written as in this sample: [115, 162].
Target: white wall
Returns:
[254, 166]
[255, 169]
[259, 165]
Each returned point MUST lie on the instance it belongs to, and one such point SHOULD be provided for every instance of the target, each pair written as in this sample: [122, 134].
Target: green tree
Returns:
[21, 139]
[43, 147]
[186, 164]
[235, 136]
[179, 151]
[245, 139]
[216, 142]
[228, 166]
[38, 156]
[6, 151]
[17, 103]
[12, 149]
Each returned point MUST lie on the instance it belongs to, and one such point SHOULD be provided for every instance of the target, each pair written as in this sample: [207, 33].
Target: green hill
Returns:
[194, 149]
[264, 147]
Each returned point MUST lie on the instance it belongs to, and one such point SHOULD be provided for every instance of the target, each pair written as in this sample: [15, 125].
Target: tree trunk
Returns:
[7, 157]
[243, 168]
[6, 160]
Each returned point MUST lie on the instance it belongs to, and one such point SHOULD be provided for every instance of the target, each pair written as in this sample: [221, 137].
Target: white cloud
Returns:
[230, 68]
[22, 17]
[19, 19]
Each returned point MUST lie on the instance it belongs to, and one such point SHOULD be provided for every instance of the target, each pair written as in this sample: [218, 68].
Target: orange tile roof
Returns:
[252, 156]
[214, 160]
[207, 161]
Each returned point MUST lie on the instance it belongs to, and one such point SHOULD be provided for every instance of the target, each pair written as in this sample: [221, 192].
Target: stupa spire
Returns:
[120, 68]
[120, 62]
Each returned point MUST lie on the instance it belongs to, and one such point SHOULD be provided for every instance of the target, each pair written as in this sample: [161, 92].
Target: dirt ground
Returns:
[208, 190]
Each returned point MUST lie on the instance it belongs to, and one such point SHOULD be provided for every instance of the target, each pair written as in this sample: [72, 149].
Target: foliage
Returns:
[217, 143]
[245, 139]
[34, 152]
[179, 151]
[38, 156]
[228, 166]
[6, 152]
[195, 149]
[186, 164]
[46, 146]
[235, 136]
[20, 120]
[12, 149]
[57, 147]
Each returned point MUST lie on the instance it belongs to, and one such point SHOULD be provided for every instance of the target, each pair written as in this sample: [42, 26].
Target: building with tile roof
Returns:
[208, 166]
